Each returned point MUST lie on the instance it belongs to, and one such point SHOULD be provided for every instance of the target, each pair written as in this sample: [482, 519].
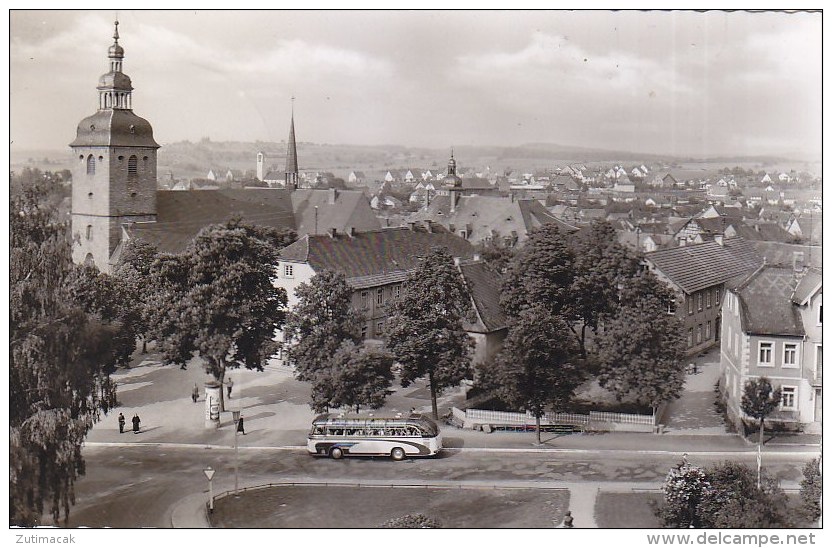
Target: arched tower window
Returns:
[132, 169]
[90, 165]
[89, 232]
[88, 260]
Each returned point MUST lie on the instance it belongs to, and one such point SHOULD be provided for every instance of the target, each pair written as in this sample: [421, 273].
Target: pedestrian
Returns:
[195, 393]
[230, 385]
[136, 423]
[121, 422]
[567, 520]
[240, 427]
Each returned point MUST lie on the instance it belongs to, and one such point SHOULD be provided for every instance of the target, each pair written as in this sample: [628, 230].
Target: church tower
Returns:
[261, 166]
[114, 174]
[291, 170]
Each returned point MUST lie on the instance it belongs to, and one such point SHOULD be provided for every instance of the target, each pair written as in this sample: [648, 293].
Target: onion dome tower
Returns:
[114, 178]
[451, 179]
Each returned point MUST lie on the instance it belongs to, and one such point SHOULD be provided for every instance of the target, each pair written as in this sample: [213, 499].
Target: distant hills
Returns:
[187, 159]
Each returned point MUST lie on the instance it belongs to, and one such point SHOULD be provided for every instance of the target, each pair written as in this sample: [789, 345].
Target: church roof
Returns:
[180, 215]
[114, 127]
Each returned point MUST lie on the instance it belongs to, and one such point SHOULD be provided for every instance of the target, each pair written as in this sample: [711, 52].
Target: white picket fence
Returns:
[504, 417]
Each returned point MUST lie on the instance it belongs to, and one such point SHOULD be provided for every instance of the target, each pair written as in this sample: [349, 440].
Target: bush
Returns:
[412, 521]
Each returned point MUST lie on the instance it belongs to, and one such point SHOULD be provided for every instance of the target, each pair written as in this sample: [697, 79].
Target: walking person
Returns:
[240, 427]
[567, 520]
[121, 422]
[229, 384]
[195, 393]
[136, 423]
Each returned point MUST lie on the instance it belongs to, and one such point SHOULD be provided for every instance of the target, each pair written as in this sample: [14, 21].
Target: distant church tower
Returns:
[114, 174]
[261, 167]
[291, 170]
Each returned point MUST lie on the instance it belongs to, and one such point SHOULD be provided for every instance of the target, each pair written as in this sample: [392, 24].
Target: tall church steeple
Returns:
[114, 178]
[291, 170]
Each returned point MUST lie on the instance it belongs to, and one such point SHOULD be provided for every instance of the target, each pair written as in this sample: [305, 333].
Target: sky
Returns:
[680, 83]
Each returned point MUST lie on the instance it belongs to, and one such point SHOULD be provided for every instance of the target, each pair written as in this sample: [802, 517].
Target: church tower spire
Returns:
[115, 88]
[291, 170]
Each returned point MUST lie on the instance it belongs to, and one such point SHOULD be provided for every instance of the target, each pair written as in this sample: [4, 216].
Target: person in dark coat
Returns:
[195, 393]
[136, 423]
[240, 427]
[121, 422]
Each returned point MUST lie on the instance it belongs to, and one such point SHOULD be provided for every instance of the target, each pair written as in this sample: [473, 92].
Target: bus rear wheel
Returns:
[336, 453]
[397, 454]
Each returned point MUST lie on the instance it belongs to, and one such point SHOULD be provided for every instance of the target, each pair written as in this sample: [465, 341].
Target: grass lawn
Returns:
[370, 507]
[626, 510]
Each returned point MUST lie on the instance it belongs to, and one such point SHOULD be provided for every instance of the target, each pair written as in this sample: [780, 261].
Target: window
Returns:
[765, 354]
[708, 299]
[818, 361]
[699, 301]
[716, 296]
[820, 314]
[788, 399]
[365, 300]
[89, 232]
[288, 271]
[790, 355]
[699, 334]
[379, 328]
[737, 342]
[690, 337]
[132, 169]
[397, 291]
[363, 331]
[380, 295]
[708, 331]
[90, 165]
[690, 304]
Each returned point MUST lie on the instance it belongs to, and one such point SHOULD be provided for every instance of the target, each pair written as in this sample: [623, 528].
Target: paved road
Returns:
[139, 486]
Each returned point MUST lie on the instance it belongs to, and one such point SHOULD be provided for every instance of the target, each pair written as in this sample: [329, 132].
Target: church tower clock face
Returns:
[114, 178]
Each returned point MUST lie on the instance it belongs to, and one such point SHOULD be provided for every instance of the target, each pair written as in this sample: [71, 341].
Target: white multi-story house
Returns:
[772, 326]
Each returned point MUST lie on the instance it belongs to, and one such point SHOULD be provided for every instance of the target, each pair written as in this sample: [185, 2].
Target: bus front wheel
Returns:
[397, 453]
[336, 453]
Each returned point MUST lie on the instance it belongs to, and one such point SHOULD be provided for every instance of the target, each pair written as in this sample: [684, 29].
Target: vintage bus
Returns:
[399, 436]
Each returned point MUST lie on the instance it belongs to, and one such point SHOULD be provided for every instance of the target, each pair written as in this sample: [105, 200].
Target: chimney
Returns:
[411, 225]
[333, 193]
[457, 261]
[476, 257]
[797, 261]
[332, 232]
[351, 232]
[429, 226]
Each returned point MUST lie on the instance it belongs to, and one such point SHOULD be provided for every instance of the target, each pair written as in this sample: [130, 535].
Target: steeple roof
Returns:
[292, 149]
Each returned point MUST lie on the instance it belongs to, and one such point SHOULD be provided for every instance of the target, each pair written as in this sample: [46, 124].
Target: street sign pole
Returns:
[209, 473]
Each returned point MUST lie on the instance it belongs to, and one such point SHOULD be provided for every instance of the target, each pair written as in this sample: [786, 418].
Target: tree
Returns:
[683, 488]
[217, 298]
[57, 381]
[412, 521]
[496, 253]
[321, 322]
[724, 495]
[540, 273]
[759, 400]
[425, 331]
[134, 270]
[601, 265]
[361, 376]
[811, 490]
[534, 368]
[641, 346]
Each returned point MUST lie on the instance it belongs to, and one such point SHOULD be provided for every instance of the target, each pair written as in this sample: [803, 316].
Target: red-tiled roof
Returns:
[698, 266]
[484, 285]
[767, 309]
[808, 285]
[376, 257]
